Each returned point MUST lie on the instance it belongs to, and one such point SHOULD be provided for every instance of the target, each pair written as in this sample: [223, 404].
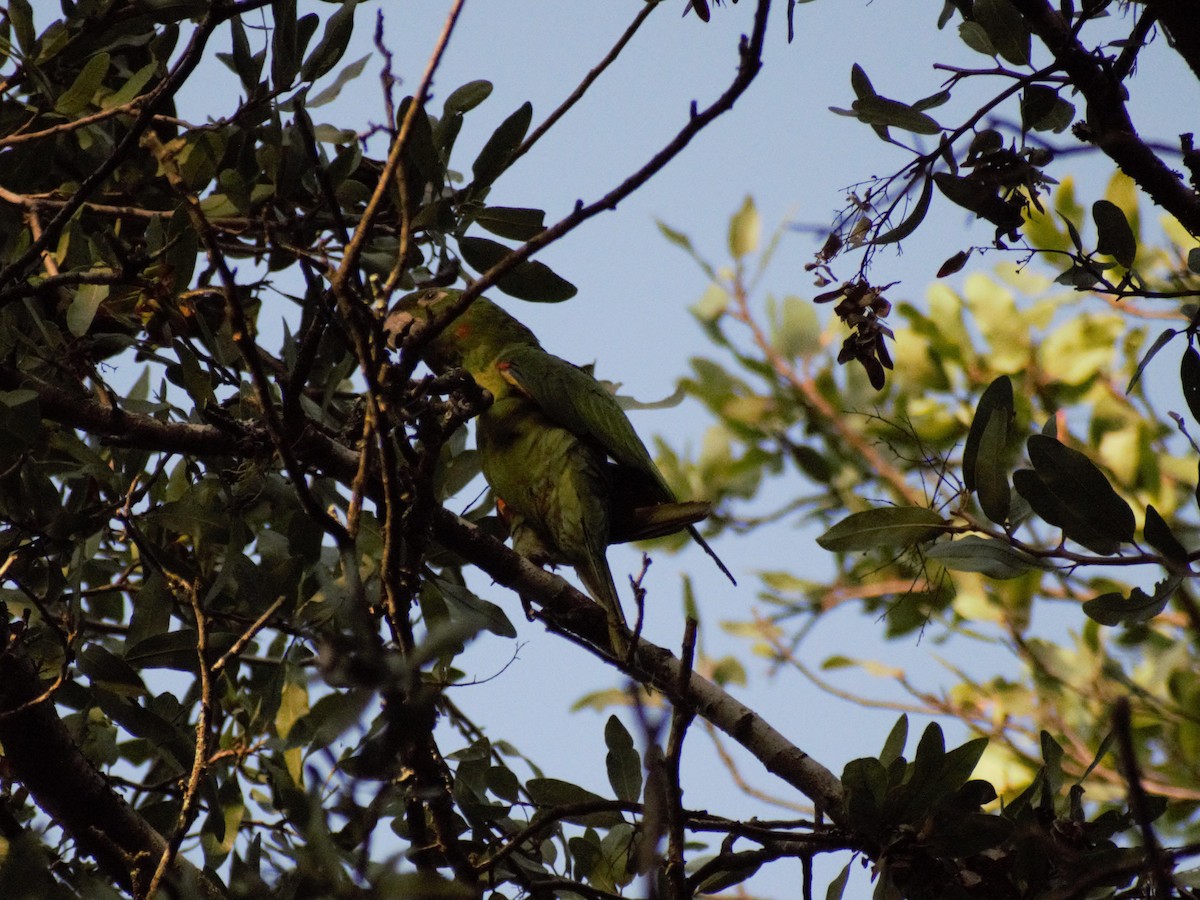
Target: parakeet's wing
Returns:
[576, 401]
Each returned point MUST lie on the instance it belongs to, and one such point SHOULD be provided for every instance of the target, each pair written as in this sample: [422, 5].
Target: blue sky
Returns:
[780, 145]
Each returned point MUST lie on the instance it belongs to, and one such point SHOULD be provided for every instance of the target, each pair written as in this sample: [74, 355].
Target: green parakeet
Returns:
[570, 474]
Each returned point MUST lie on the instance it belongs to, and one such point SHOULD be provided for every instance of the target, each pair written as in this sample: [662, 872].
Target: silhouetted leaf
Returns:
[915, 217]
[338, 29]
[1114, 236]
[1006, 29]
[1114, 607]
[1159, 342]
[882, 111]
[550, 793]
[493, 158]
[953, 264]
[1079, 484]
[1189, 380]
[1159, 536]
[528, 280]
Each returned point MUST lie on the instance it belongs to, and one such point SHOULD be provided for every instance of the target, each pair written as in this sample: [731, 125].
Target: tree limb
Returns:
[1108, 125]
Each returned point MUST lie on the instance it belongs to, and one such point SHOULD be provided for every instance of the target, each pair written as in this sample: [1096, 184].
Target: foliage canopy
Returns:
[234, 597]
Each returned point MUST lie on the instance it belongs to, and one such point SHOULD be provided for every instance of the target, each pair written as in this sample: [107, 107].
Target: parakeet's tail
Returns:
[692, 530]
[597, 578]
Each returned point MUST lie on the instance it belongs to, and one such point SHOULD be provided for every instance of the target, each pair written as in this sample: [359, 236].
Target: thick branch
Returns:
[1108, 124]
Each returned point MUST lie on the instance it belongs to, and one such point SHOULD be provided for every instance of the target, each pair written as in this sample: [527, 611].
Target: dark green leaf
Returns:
[20, 421]
[893, 747]
[338, 29]
[885, 526]
[1042, 109]
[1114, 236]
[912, 220]
[20, 13]
[465, 98]
[511, 222]
[865, 782]
[493, 158]
[623, 762]
[837, 887]
[285, 53]
[727, 878]
[344, 77]
[551, 793]
[991, 469]
[1079, 484]
[993, 557]
[175, 650]
[932, 101]
[1189, 380]
[1006, 29]
[960, 763]
[878, 110]
[245, 63]
[109, 671]
[997, 399]
[529, 280]
[1048, 507]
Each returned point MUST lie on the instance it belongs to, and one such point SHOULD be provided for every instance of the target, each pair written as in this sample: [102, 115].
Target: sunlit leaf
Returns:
[885, 526]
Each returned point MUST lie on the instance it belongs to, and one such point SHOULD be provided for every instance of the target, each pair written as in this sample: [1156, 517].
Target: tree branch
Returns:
[1108, 124]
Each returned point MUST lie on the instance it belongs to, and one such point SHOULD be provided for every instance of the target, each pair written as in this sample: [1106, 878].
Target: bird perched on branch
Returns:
[569, 472]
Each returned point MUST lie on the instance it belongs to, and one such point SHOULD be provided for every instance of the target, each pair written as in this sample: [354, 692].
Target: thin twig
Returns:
[750, 62]
[191, 795]
[588, 80]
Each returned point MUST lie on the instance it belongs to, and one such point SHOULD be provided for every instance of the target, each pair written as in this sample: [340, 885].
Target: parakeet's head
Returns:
[472, 341]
